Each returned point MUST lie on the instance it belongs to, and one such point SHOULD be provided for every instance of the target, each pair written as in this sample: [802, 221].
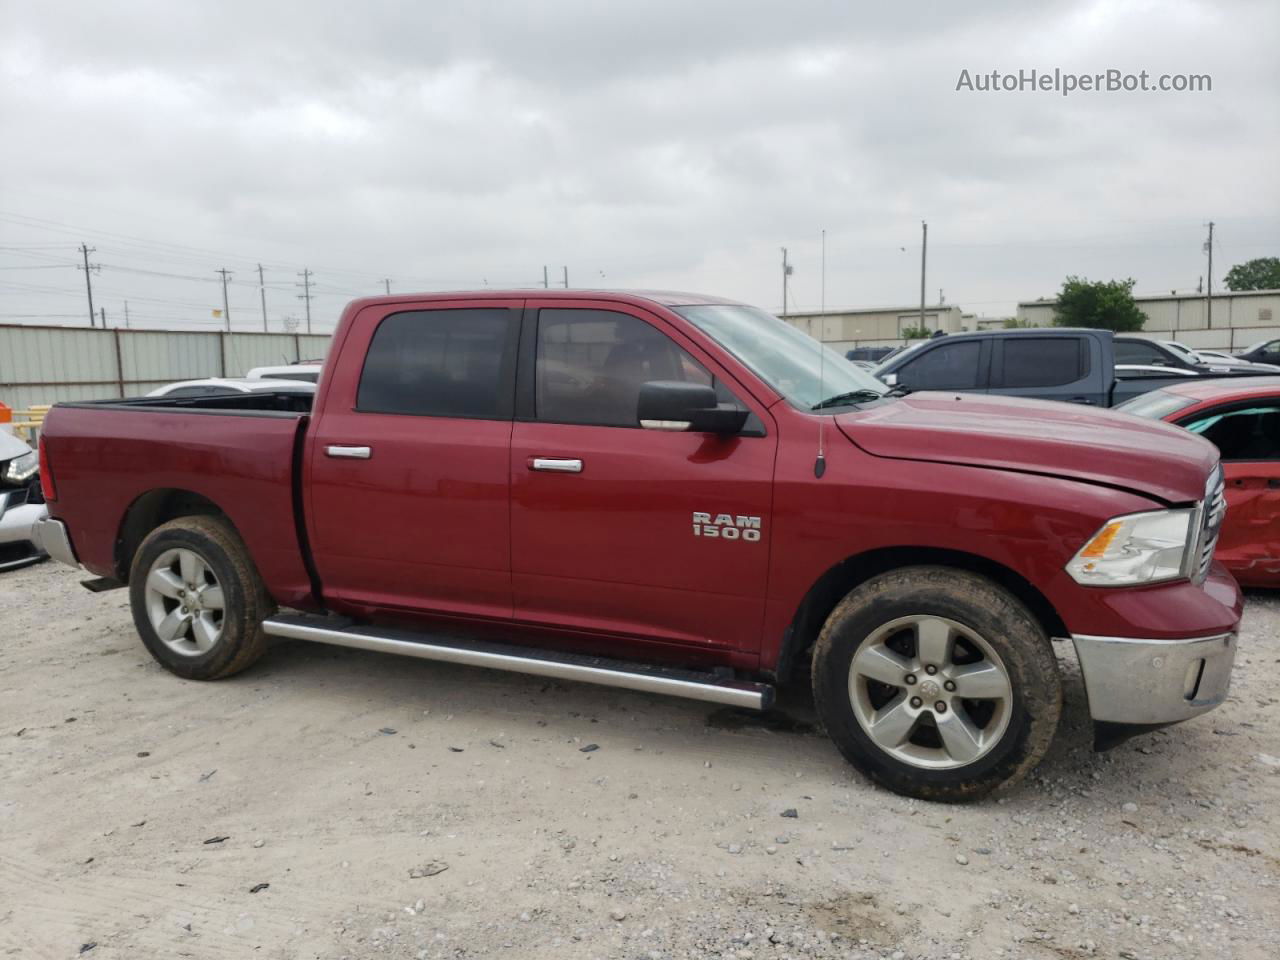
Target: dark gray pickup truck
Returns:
[1075, 365]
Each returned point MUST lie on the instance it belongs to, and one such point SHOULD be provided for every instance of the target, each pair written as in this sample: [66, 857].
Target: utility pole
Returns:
[924, 251]
[386, 284]
[305, 295]
[786, 272]
[262, 293]
[86, 250]
[126, 314]
[103, 312]
[226, 307]
[545, 285]
[566, 278]
[1208, 290]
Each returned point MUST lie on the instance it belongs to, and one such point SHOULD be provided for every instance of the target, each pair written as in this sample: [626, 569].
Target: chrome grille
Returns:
[1212, 512]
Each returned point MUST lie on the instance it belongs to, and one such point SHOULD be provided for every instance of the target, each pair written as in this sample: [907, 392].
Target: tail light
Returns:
[47, 487]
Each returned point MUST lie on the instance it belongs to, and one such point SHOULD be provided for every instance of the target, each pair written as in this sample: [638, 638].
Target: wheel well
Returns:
[835, 584]
[150, 511]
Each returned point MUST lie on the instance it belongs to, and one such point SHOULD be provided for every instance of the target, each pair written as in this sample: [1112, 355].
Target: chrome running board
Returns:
[692, 685]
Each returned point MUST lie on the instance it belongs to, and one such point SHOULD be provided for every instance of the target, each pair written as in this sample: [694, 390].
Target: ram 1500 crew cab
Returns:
[668, 493]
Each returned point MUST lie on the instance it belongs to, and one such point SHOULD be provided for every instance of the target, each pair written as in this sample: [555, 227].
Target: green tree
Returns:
[1100, 304]
[1262, 273]
[916, 333]
[1013, 323]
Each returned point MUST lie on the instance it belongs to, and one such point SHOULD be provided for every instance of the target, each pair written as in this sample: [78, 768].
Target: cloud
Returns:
[659, 144]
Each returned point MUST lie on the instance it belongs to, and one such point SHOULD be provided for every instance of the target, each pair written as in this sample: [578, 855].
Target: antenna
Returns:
[820, 465]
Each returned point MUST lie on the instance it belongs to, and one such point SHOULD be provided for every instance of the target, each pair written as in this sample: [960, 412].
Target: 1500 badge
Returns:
[726, 527]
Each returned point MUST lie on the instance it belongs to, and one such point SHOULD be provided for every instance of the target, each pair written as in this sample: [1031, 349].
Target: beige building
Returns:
[874, 326]
[1239, 318]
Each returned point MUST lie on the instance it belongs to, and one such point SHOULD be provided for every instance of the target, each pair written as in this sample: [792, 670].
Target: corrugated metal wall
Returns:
[48, 364]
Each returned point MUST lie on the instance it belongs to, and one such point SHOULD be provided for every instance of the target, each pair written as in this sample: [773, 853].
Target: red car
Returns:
[1243, 421]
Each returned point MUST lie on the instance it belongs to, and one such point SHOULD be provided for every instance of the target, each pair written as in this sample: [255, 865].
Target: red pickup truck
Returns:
[669, 493]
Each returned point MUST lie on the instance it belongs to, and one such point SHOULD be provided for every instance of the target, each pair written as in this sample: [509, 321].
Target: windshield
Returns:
[789, 360]
[1155, 405]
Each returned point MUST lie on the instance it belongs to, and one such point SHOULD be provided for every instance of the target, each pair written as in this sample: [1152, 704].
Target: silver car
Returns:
[21, 504]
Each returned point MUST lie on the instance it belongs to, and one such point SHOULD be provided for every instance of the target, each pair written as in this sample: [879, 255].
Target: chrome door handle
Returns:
[555, 465]
[344, 452]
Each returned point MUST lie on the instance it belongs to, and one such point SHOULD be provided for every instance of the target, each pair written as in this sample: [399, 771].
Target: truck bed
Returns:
[132, 458]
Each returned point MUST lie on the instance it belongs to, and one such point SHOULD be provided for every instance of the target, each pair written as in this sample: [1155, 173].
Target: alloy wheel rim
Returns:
[930, 692]
[184, 602]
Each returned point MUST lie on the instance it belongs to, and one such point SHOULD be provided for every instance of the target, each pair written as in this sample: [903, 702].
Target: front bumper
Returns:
[17, 533]
[51, 536]
[1154, 682]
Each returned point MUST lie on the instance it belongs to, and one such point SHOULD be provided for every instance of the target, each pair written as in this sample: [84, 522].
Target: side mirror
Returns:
[889, 379]
[676, 406]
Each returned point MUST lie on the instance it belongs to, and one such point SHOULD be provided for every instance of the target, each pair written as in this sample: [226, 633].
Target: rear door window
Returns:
[442, 363]
[1043, 361]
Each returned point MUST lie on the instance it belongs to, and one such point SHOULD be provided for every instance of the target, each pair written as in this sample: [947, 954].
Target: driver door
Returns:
[1247, 434]
[621, 530]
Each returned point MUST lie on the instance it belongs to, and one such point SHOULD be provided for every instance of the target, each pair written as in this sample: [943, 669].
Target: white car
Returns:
[21, 503]
[306, 372]
[1216, 360]
[1221, 356]
[226, 386]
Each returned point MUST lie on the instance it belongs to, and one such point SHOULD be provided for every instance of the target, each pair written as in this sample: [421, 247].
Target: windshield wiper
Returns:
[898, 390]
[853, 396]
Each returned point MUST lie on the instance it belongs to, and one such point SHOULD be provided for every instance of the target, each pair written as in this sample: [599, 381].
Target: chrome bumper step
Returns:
[690, 684]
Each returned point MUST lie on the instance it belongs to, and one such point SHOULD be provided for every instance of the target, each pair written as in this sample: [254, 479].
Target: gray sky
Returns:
[660, 144]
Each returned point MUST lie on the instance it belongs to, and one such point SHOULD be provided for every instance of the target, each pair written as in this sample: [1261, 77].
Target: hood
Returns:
[1038, 436]
[11, 446]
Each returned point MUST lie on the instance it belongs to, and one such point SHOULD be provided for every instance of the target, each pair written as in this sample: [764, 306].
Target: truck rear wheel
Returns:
[937, 683]
[197, 599]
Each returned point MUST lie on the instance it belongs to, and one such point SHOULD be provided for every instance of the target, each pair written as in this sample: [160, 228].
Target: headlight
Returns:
[22, 468]
[1137, 548]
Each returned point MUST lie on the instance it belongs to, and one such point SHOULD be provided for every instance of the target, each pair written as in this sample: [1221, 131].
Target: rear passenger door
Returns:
[1050, 368]
[409, 477]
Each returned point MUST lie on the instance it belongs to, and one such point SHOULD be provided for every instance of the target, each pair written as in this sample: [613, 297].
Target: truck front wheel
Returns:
[197, 599]
[937, 683]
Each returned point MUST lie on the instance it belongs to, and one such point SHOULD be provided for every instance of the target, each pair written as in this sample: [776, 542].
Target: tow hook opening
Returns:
[1191, 685]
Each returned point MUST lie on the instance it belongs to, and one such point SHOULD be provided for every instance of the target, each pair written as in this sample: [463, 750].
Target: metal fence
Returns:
[47, 364]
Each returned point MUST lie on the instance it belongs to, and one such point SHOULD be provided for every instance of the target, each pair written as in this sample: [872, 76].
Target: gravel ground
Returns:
[332, 803]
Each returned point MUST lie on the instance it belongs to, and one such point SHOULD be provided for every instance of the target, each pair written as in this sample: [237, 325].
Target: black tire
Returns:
[1029, 717]
[240, 639]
